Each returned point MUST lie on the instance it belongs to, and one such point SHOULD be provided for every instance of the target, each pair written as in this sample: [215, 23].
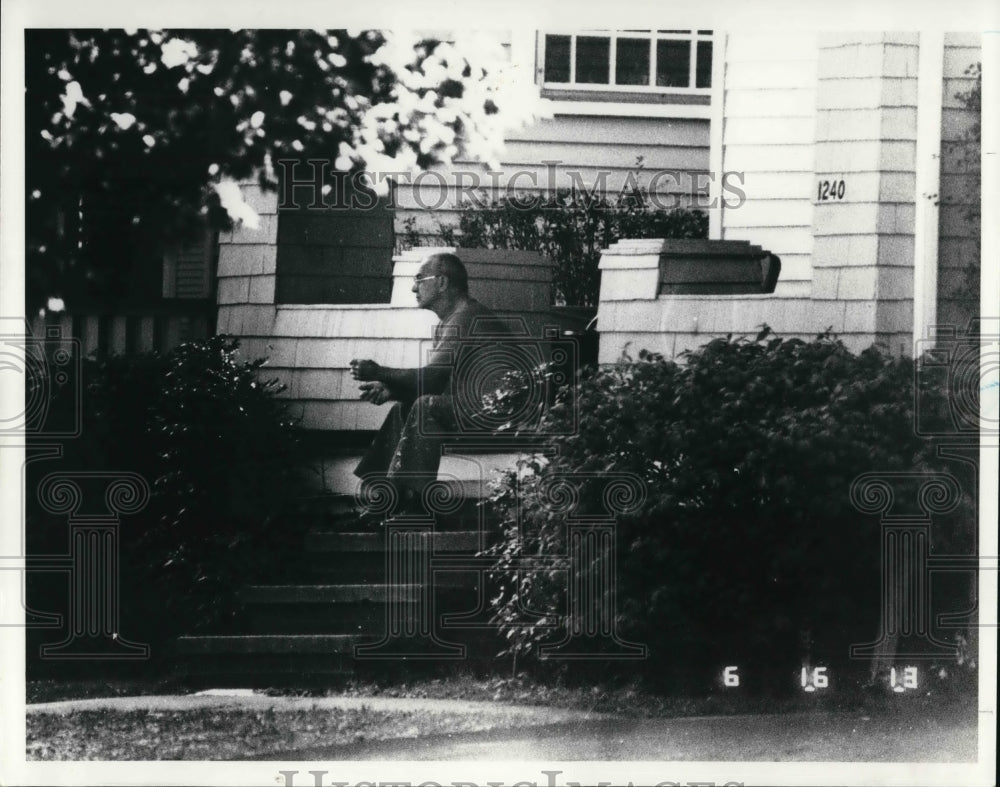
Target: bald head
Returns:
[450, 266]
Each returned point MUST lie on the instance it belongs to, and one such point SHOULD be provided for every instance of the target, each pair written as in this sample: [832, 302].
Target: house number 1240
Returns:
[830, 189]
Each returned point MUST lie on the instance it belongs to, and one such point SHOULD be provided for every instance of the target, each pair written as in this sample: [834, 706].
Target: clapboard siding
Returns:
[605, 153]
[775, 156]
[769, 132]
[754, 48]
[887, 123]
[961, 50]
[771, 213]
[581, 151]
[438, 194]
[760, 130]
[424, 196]
[954, 84]
[767, 75]
[776, 185]
[670, 326]
[775, 103]
[589, 129]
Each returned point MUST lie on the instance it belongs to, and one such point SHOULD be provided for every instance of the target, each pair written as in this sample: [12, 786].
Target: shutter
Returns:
[187, 270]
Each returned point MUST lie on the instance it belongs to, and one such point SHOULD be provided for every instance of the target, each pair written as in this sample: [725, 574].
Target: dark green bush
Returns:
[572, 228]
[967, 155]
[220, 452]
[747, 549]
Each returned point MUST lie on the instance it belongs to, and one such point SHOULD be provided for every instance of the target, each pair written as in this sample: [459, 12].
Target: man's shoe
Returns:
[365, 520]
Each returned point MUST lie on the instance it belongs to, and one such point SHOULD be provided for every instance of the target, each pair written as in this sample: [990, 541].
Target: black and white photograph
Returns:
[499, 394]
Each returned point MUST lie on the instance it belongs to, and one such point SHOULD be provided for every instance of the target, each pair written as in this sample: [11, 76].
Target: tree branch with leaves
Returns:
[156, 129]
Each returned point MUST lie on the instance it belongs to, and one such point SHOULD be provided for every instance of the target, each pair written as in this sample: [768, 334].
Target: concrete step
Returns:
[262, 670]
[300, 670]
[270, 644]
[338, 511]
[256, 658]
[468, 473]
[324, 568]
[329, 568]
[326, 541]
[470, 515]
[326, 594]
[371, 593]
[367, 620]
[352, 609]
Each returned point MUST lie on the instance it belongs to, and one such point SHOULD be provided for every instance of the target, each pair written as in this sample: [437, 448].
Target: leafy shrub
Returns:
[746, 549]
[221, 455]
[411, 237]
[572, 228]
[967, 155]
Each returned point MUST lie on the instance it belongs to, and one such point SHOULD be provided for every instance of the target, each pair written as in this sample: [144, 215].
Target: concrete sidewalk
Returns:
[249, 700]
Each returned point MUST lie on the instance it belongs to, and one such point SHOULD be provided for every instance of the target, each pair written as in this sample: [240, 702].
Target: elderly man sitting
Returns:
[407, 449]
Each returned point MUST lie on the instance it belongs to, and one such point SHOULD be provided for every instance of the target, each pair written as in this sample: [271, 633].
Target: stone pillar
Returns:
[864, 195]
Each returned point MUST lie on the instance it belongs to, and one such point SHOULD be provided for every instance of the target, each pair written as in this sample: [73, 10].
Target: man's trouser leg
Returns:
[379, 455]
[428, 424]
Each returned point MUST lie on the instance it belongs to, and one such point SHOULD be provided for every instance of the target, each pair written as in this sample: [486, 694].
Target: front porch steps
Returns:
[341, 598]
[261, 644]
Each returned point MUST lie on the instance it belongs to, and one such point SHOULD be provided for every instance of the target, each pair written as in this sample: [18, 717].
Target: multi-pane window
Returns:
[630, 61]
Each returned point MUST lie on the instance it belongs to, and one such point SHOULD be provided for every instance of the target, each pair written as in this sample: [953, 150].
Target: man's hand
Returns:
[374, 392]
[365, 370]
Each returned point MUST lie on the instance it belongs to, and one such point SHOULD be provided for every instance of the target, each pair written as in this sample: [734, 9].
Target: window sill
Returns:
[620, 109]
[339, 306]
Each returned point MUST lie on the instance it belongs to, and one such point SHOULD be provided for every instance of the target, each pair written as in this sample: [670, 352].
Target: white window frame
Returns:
[604, 106]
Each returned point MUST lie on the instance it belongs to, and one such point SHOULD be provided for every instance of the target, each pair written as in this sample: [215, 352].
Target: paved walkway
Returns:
[250, 700]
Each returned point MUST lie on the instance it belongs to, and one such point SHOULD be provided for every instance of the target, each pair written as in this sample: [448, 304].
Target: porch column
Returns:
[866, 193]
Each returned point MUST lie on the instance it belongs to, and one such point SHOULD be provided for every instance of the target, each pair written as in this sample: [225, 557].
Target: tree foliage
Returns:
[145, 134]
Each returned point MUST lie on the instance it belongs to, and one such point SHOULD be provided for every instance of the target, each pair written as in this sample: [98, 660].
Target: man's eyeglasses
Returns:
[418, 279]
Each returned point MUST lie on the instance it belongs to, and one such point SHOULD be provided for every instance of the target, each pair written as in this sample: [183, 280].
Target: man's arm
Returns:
[405, 384]
[376, 393]
[401, 382]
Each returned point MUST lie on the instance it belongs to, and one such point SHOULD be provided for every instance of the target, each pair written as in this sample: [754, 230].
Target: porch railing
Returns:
[123, 330]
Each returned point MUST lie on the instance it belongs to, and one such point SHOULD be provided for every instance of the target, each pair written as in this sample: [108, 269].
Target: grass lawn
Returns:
[229, 733]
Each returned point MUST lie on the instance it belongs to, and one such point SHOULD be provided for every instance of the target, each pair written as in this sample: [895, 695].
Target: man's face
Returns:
[427, 286]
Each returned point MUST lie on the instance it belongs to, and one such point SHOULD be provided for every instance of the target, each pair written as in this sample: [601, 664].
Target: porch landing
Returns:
[470, 473]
